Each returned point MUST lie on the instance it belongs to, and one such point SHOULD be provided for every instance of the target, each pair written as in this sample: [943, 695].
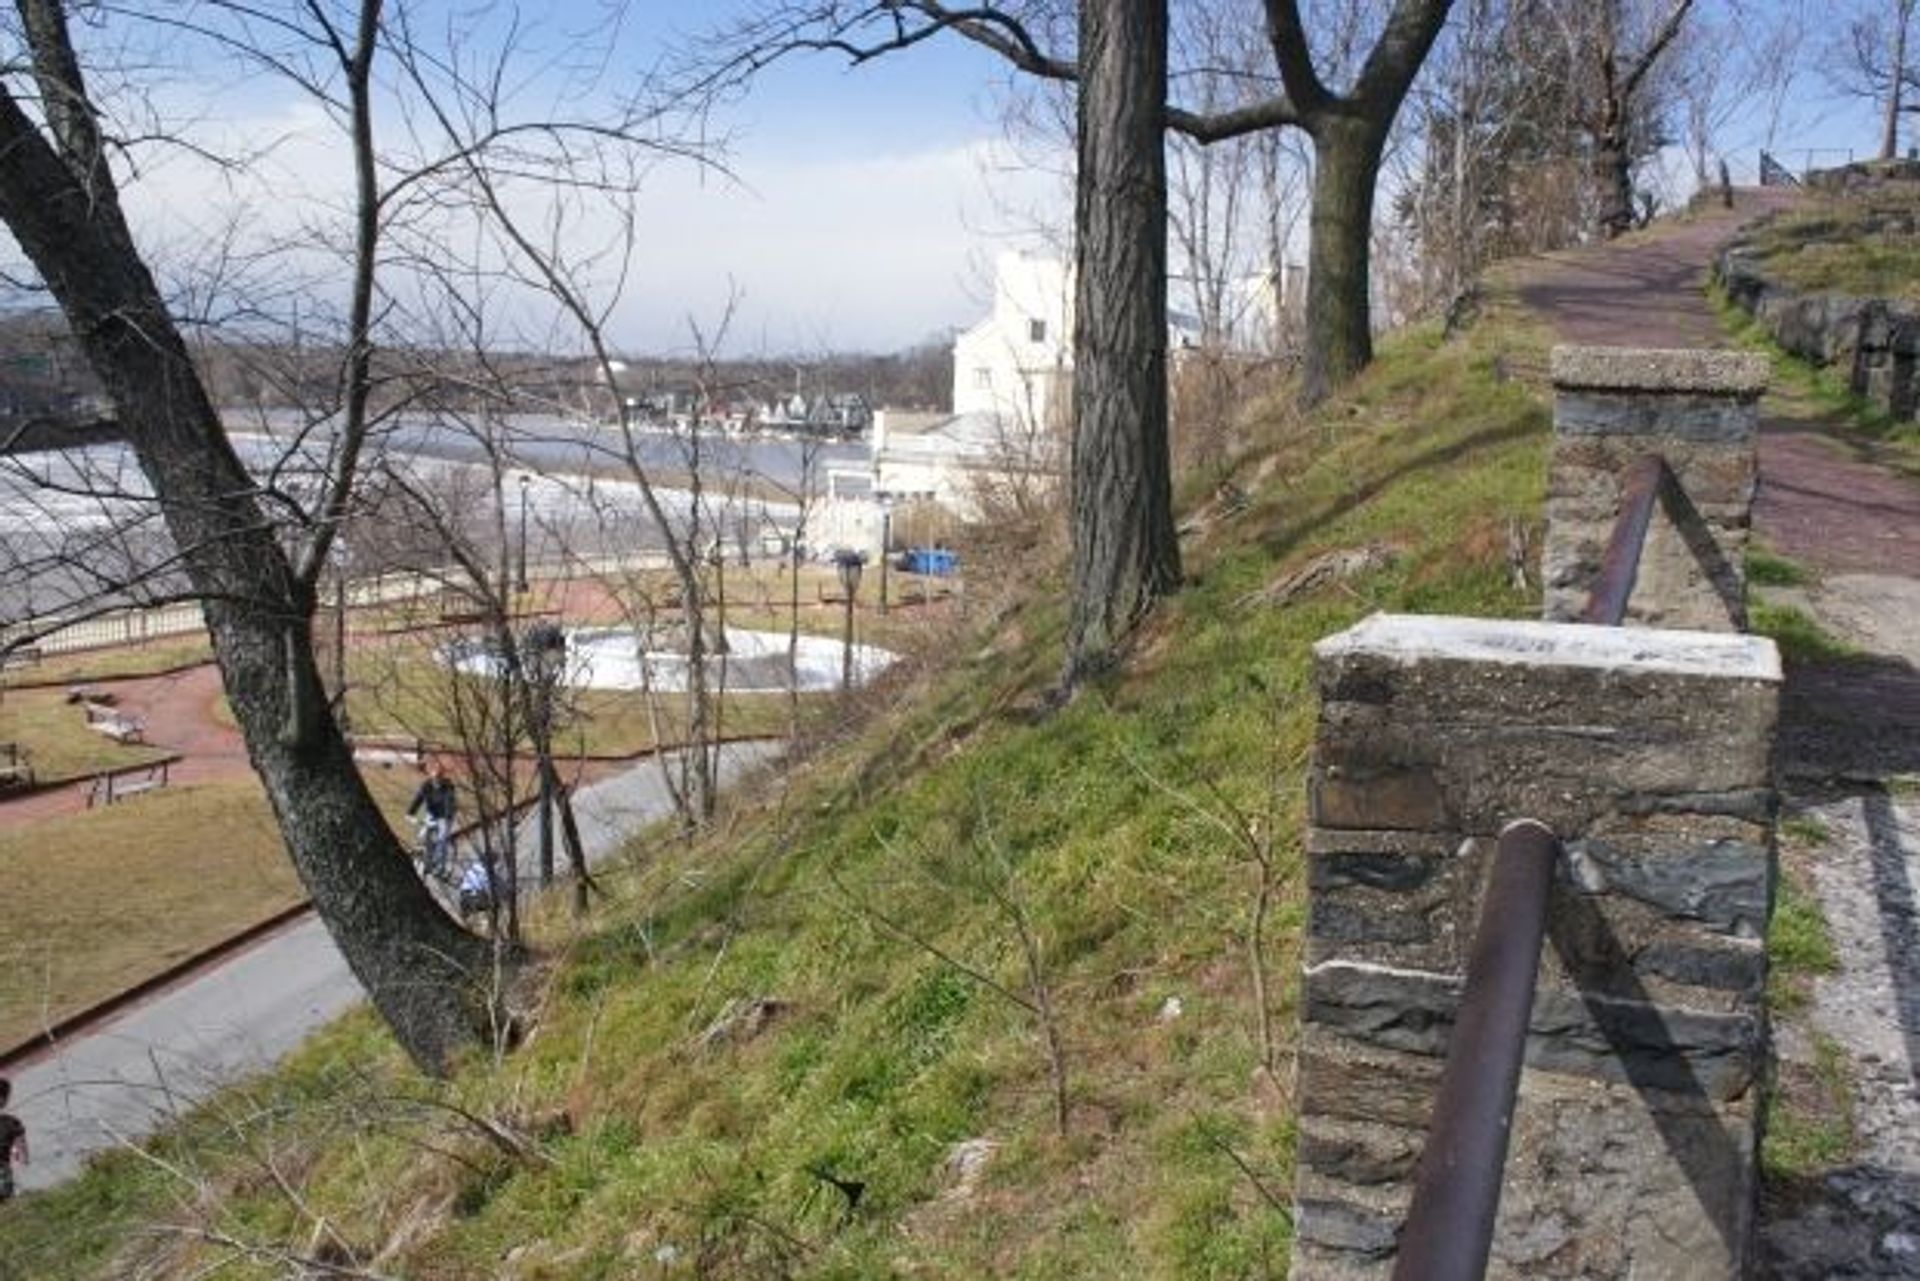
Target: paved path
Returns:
[120, 1081]
[1848, 732]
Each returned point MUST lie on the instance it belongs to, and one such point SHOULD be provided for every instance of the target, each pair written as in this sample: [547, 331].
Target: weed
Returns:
[1806, 829]
[1809, 1124]
[1799, 946]
[1768, 569]
[1799, 635]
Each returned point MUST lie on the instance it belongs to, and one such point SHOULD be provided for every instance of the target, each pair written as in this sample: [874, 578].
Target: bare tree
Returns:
[1872, 59]
[1125, 556]
[252, 543]
[60, 199]
[1615, 47]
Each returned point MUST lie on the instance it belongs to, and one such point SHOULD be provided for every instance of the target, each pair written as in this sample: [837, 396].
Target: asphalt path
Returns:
[119, 1082]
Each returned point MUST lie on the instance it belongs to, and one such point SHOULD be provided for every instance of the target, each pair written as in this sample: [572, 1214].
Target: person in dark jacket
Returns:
[440, 803]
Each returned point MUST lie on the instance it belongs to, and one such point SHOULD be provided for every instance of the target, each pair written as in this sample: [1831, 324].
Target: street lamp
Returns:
[886, 546]
[848, 564]
[525, 482]
[340, 631]
[545, 651]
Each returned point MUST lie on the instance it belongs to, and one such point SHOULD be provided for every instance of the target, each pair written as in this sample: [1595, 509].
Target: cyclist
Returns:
[440, 802]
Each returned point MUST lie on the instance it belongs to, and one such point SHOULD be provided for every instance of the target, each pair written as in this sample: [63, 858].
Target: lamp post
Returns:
[886, 546]
[520, 585]
[340, 632]
[848, 564]
[545, 646]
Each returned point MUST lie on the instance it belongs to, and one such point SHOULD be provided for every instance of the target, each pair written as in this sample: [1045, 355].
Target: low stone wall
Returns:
[1633, 1150]
[1698, 410]
[1873, 342]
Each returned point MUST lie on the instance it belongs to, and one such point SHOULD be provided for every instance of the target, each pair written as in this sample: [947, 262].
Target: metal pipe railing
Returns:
[1457, 1189]
[1620, 565]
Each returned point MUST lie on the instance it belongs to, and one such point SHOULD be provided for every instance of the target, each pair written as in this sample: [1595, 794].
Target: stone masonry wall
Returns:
[1874, 343]
[1699, 410]
[1633, 1149]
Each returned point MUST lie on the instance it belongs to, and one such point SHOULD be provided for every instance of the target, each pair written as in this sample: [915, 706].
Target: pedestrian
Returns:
[13, 1141]
[441, 802]
[476, 889]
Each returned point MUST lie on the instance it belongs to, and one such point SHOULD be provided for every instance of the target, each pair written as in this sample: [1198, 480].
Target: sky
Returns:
[851, 209]
[860, 207]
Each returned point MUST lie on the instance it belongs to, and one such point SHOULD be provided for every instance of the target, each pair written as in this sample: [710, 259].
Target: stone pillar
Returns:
[1697, 409]
[1633, 1150]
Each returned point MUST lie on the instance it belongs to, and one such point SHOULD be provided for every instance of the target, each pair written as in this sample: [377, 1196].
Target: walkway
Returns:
[120, 1081]
[1850, 733]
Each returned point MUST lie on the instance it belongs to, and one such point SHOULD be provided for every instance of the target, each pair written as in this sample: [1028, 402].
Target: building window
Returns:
[983, 377]
[1036, 331]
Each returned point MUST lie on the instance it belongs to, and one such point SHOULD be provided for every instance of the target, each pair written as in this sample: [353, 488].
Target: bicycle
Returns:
[433, 849]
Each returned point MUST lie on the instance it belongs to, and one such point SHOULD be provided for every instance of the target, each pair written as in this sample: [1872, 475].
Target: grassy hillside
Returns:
[855, 983]
[1862, 243]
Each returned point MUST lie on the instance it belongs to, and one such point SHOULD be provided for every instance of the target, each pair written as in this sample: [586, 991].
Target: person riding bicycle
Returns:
[440, 802]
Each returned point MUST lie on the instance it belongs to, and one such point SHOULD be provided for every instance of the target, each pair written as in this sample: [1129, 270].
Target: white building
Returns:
[1012, 380]
[1013, 365]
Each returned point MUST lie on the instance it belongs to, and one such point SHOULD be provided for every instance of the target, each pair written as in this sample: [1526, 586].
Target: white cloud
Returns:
[841, 253]
[826, 251]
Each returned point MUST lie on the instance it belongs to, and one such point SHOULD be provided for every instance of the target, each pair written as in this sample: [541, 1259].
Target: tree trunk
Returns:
[1613, 176]
[422, 971]
[1339, 329]
[1890, 135]
[1125, 552]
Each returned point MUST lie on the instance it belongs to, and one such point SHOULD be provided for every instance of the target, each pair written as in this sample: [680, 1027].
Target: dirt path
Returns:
[1849, 752]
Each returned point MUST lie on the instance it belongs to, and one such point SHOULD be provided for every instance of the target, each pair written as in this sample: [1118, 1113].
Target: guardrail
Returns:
[1457, 1192]
[1449, 1228]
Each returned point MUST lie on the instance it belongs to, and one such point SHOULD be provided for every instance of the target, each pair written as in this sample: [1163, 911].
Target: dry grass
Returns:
[144, 659]
[57, 737]
[98, 901]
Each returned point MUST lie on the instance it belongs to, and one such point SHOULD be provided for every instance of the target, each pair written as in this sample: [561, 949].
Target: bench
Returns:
[117, 785]
[116, 725]
[16, 766]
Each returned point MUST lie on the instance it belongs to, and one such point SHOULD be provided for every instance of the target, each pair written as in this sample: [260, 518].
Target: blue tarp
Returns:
[937, 561]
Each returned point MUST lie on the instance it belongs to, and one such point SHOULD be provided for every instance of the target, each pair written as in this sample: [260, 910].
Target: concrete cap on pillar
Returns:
[1412, 638]
[1685, 370]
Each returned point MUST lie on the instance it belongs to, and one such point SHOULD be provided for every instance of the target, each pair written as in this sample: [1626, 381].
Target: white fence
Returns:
[122, 627]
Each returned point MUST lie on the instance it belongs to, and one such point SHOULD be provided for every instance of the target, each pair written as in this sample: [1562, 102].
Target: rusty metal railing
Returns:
[1456, 1197]
[1457, 1189]
[1649, 482]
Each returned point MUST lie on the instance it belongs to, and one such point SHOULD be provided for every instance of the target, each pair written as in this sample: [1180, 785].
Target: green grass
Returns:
[1815, 398]
[1769, 569]
[1863, 246]
[1809, 1124]
[1799, 944]
[1806, 830]
[961, 817]
[1799, 636]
